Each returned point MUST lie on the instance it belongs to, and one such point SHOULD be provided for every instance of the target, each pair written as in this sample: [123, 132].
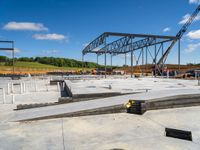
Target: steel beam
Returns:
[138, 35]
[93, 47]
[95, 43]
[122, 48]
[7, 49]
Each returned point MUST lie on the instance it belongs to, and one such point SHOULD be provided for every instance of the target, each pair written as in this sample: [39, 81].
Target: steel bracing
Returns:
[128, 43]
[125, 44]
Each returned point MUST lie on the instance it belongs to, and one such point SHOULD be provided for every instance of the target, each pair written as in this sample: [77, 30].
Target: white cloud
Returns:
[186, 17]
[193, 1]
[192, 47]
[16, 51]
[194, 34]
[49, 52]
[166, 29]
[25, 26]
[54, 36]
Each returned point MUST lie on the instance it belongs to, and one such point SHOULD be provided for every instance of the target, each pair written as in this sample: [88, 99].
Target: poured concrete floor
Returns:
[51, 111]
[129, 85]
[103, 132]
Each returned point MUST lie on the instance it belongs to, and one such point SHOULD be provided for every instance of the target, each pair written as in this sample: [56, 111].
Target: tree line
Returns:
[55, 61]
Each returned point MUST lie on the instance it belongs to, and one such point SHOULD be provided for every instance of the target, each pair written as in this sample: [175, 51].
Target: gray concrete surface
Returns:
[104, 132]
[129, 85]
[41, 93]
[94, 104]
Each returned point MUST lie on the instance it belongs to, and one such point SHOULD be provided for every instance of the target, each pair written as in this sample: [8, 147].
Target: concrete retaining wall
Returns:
[173, 102]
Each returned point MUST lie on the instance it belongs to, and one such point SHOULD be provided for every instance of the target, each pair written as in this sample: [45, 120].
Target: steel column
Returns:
[142, 59]
[179, 54]
[97, 59]
[125, 59]
[111, 60]
[155, 60]
[105, 58]
[131, 64]
[162, 60]
[82, 62]
[146, 58]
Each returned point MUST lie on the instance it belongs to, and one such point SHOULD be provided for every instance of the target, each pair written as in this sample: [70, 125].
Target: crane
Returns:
[179, 35]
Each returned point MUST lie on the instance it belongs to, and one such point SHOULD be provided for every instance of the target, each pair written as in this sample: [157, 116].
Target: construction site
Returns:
[148, 105]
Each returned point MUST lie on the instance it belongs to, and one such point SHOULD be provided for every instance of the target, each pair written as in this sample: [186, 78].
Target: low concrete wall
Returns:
[97, 111]
[67, 88]
[95, 95]
[54, 82]
[141, 106]
[36, 105]
[173, 102]
[77, 97]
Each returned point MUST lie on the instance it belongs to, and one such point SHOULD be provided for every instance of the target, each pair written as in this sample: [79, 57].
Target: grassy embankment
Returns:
[35, 67]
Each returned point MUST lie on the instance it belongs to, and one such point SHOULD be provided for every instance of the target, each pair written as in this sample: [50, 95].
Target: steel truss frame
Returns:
[127, 43]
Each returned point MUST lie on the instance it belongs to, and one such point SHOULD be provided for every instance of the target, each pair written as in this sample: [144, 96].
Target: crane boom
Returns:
[178, 36]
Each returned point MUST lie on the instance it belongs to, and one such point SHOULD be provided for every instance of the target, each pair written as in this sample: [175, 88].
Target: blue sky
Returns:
[61, 27]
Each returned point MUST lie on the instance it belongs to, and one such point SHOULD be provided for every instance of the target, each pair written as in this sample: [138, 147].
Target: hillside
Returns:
[35, 68]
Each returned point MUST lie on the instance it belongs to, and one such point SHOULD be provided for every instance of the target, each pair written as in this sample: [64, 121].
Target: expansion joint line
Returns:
[63, 136]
